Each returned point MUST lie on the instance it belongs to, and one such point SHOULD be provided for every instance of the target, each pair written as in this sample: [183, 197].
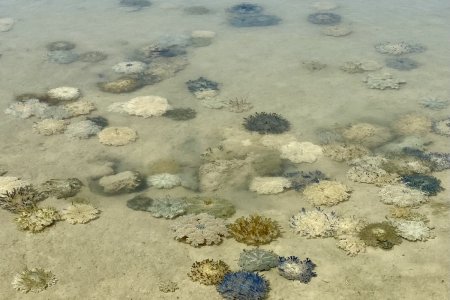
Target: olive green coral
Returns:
[208, 271]
[254, 230]
[382, 235]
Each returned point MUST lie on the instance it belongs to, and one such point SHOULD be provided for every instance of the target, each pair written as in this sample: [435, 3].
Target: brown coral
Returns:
[20, 199]
[208, 271]
[382, 235]
[254, 230]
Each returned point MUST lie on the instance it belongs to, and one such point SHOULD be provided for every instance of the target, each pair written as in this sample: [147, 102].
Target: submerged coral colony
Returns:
[261, 156]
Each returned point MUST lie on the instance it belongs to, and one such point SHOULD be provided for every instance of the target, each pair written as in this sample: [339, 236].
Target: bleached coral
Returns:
[368, 135]
[143, 106]
[36, 219]
[314, 223]
[164, 181]
[35, 280]
[413, 124]
[79, 108]
[117, 136]
[201, 229]
[269, 185]
[413, 230]
[79, 213]
[26, 109]
[368, 169]
[64, 93]
[9, 183]
[126, 181]
[82, 129]
[352, 245]
[50, 126]
[402, 196]
[326, 193]
[299, 152]
[344, 152]
[349, 226]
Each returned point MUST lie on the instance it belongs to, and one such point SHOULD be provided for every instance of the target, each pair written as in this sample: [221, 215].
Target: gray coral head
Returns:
[257, 260]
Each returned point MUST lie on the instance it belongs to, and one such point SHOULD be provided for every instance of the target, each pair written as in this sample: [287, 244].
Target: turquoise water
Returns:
[313, 80]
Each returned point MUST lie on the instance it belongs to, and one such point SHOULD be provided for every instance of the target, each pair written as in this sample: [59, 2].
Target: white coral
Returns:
[301, 152]
[164, 181]
[79, 213]
[117, 136]
[269, 185]
[402, 196]
[413, 230]
[49, 126]
[352, 245]
[200, 229]
[314, 223]
[64, 93]
[143, 106]
[327, 193]
[78, 108]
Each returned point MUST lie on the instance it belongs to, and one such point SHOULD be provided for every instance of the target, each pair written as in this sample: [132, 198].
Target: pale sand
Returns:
[124, 253]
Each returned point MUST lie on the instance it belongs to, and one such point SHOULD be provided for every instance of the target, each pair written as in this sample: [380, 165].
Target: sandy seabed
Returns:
[124, 254]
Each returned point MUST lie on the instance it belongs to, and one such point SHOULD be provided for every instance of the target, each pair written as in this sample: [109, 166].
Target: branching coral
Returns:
[36, 219]
[208, 271]
[327, 193]
[201, 229]
[314, 223]
[254, 230]
[20, 199]
[34, 280]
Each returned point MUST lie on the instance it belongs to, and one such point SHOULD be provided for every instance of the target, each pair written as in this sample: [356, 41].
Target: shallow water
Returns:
[125, 254]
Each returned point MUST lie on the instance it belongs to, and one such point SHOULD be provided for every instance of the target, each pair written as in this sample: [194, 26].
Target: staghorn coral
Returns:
[217, 207]
[257, 260]
[293, 268]
[243, 286]
[33, 280]
[314, 223]
[117, 136]
[254, 230]
[402, 196]
[382, 235]
[79, 213]
[201, 229]
[269, 185]
[208, 271]
[37, 219]
[326, 193]
[20, 199]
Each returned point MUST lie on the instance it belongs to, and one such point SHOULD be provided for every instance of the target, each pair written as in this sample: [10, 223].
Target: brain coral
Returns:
[326, 193]
[254, 230]
[314, 223]
[208, 271]
[201, 229]
[243, 286]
